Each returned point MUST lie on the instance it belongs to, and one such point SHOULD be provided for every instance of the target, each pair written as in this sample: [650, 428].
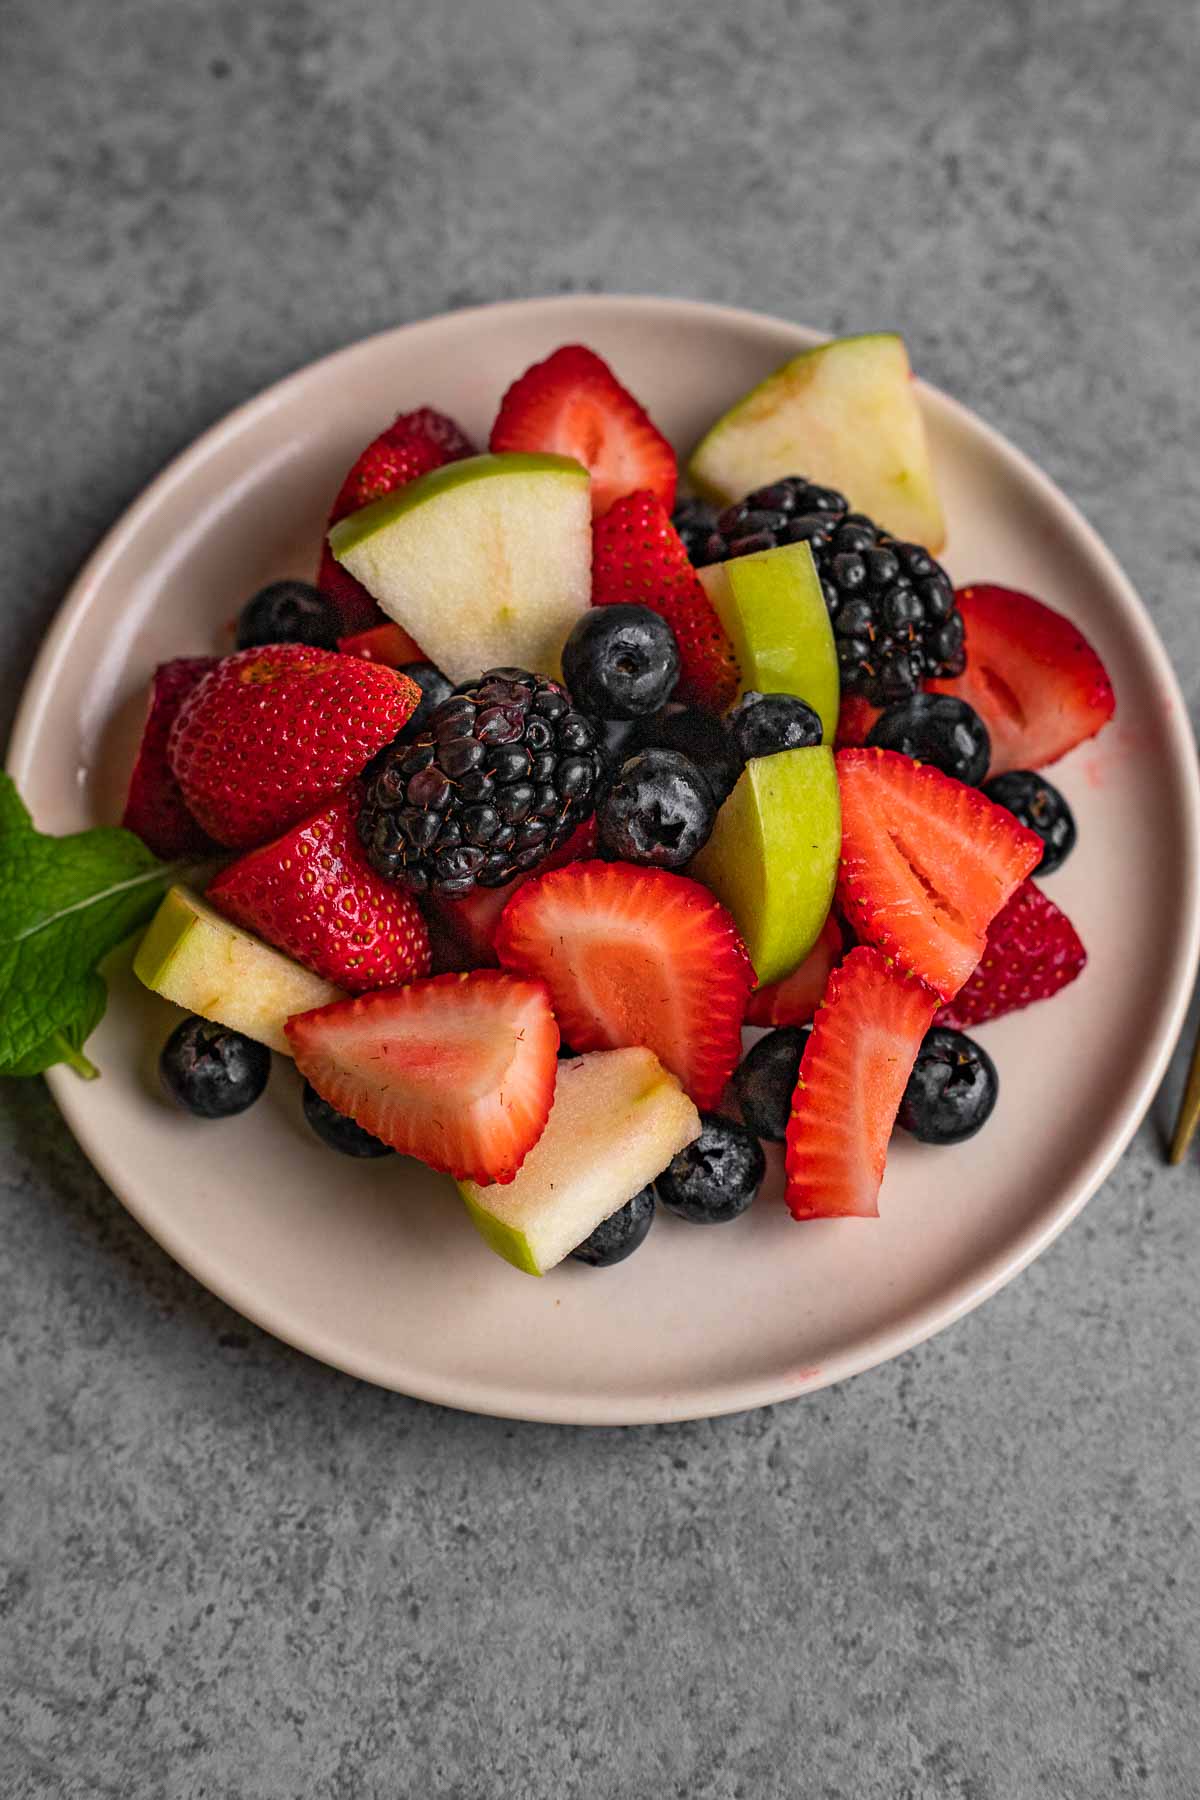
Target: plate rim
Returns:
[475, 1395]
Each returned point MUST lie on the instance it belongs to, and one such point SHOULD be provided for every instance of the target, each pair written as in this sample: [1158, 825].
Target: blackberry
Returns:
[893, 609]
[501, 775]
[695, 521]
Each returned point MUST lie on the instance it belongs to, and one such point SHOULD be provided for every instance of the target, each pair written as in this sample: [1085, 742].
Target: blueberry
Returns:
[339, 1132]
[765, 724]
[659, 810]
[938, 729]
[1039, 805]
[765, 1081]
[697, 735]
[718, 1174]
[618, 1236]
[952, 1089]
[435, 687]
[212, 1071]
[621, 662]
[289, 612]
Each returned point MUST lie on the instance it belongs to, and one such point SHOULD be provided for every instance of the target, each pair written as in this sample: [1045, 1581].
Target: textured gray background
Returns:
[228, 1572]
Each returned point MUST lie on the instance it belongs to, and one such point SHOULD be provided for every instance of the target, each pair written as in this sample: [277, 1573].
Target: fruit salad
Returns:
[587, 824]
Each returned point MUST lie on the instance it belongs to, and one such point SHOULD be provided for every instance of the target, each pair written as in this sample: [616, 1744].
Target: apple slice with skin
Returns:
[617, 1120]
[485, 562]
[193, 956]
[772, 858]
[845, 414]
[774, 612]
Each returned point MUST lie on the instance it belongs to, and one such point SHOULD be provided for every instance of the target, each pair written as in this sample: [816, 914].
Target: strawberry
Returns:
[155, 807]
[635, 956]
[574, 405]
[1032, 951]
[271, 733]
[387, 644]
[856, 1064]
[313, 894]
[458, 1070]
[856, 716]
[926, 863]
[1031, 675]
[794, 999]
[464, 930]
[638, 556]
[413, 444]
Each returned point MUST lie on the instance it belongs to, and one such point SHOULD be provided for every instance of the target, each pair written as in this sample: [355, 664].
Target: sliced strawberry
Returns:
[464, 931]
[313, 894]
[856, 716]
[272, 733]
[853, 1073]
[794, 999]
[412, 445]
[635, 956]
[638, 556]
[1031, 675]
[926, 863]
[1032, 952]
[155, 807]
[387, 644]
[458, 1070]
[574, 405]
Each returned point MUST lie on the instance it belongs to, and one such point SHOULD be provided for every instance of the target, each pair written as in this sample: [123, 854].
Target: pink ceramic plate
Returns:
[374, 1267]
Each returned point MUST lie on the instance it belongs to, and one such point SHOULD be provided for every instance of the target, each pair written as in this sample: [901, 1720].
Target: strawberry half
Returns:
[313, 894]
[1032, 952]
[926, 863]
[274, 732]
[458, 1070]
[464, 931]
[387, 644]
[635, 956]
[638, 557]
[1032, 677]
[155, 807]
[856, 1064]
[795, 999]
[574, 405]
[413, 444]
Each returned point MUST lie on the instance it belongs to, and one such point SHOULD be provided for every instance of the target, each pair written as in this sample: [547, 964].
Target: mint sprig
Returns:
[65, 902]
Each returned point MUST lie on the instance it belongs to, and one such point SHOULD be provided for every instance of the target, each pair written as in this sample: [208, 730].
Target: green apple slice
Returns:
[774, 612]
[193, 956]
[845, 413]
[486, 562]
[617, 1120]
[773, 856]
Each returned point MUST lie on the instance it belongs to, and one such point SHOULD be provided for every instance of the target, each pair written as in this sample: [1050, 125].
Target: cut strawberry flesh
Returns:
[1032, 677]
[458, 1070]
[465, 930]
[853, 1073]
[926, 863]
[387, 644]
[635, 956]
[794, 999]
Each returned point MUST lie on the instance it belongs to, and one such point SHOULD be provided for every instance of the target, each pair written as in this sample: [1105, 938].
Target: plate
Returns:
[375, 1268]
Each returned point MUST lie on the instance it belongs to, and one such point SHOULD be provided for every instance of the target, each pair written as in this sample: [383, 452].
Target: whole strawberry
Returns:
[638, 557]
[413, 445]
[155, 807]
[274, 732]
[313, 894]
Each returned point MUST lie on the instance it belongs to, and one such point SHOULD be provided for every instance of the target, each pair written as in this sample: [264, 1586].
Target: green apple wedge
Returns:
[193, 956]
[846, 414]
[774, 612]
[486, 562]
[772, 858]
[617, 1120]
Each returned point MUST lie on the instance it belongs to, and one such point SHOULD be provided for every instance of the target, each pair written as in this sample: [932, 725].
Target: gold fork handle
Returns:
[1189, 1109]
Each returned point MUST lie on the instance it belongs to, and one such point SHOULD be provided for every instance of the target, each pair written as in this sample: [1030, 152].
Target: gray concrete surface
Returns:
[228, 1572]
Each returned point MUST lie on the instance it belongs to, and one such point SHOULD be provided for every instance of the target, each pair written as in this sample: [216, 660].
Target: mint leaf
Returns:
[64, 904]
